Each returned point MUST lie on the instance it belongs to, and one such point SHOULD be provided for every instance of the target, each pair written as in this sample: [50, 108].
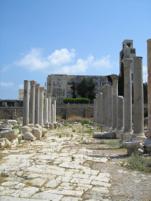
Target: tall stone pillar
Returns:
[101, 108]
[109, 106]
[49, 109]
[41, 106]
[32, 102]
[115, 101]
[120, 113]
[127, 95]
[149, 85]
[45, 110]
[138, 118]
[37, 101]
[97, 109]
[94, 109]
[26, 102]
[105, 105]
[55, 111]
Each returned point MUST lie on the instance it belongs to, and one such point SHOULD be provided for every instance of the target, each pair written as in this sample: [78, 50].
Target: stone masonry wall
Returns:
[64, 111]
[11, 112]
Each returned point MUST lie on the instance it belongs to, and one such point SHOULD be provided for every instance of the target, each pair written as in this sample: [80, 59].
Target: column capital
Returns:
[114, 77]
[41, 88]
[33, 82]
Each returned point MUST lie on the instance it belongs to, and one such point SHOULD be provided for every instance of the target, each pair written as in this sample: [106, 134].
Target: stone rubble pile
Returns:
[39, 114]
[117, 114]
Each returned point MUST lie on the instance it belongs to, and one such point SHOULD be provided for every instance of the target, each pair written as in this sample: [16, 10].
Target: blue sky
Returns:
[40, 37]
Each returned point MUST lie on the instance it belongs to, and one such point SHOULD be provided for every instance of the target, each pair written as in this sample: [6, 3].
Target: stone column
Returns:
[32, 102]
[109, 106]
[101, 108]
[149, 85]
[94, 109]
[97, 108]
[138, 118]
[120, 124]
[115, 101]
[55, 112]
[41, 106]
[49, 109]
[127, 95]
[37, 101]
[105, 106]
[45, 110]
[26, 102]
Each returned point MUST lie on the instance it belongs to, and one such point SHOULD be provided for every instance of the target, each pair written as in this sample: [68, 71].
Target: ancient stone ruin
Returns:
[116, 114]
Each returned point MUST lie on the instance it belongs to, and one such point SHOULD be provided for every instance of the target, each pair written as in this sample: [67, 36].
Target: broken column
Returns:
[32, 102]
[127, 95]
[37, 101]
[53, 108]
[120, 123]
[26, 102]
[49, 110]
[45, 110]
[41, 106]
[115, 101]
[138, 118]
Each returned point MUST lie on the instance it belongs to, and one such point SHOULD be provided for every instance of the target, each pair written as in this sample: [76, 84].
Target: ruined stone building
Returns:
[128, 51]
[60, 86]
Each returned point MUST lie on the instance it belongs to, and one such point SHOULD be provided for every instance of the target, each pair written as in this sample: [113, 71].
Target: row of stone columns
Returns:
[38, 107]
[110, 106]
[115, 112]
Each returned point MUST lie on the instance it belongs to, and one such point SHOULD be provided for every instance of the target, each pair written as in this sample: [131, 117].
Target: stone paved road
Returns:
[52, 169]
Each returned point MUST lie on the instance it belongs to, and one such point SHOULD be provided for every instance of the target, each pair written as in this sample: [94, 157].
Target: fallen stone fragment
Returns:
[104, 135]
[28, 136]
[132, 147]
[4, 143]
[25, 129]
[147, 145]
[37, 133]
[9, 134]
[44, 132]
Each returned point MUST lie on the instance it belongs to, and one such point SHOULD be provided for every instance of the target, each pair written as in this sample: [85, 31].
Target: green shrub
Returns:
[76, 100]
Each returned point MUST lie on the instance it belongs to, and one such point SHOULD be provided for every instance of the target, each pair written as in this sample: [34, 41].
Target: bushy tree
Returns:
[86, 88]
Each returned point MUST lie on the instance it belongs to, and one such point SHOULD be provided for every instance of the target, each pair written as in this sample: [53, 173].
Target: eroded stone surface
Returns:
[52, 169]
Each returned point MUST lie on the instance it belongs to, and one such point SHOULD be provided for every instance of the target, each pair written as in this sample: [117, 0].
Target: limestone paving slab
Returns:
[52, 169]
[9, 198]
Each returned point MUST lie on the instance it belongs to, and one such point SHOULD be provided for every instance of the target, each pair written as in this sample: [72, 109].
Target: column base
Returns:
[138, 137]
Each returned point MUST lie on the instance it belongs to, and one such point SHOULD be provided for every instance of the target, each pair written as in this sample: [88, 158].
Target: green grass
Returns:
[86, 121]
[138, 162]
[115, 143]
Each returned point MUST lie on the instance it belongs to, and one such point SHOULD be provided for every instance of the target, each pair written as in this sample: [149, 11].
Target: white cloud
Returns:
[63, 61]
[62, 56]
[33, 60]
[6, 84]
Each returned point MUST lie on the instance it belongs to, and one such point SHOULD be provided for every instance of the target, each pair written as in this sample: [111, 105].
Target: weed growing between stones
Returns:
[138, 162]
